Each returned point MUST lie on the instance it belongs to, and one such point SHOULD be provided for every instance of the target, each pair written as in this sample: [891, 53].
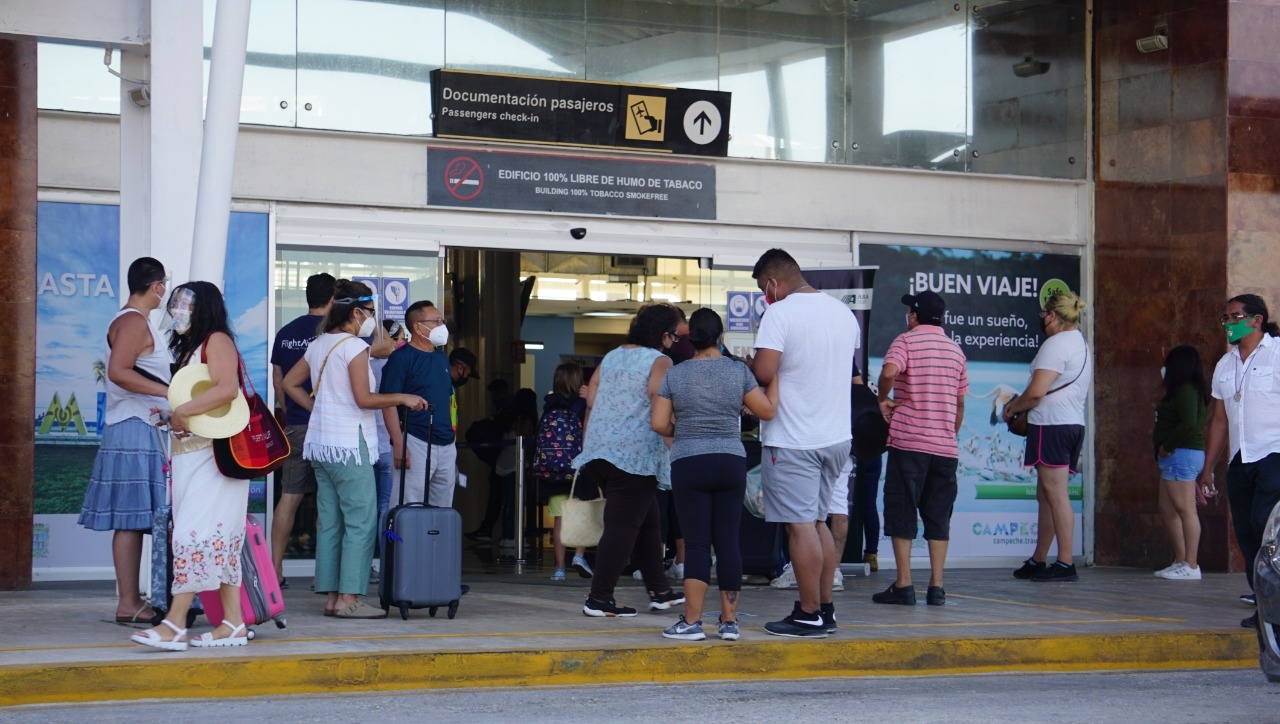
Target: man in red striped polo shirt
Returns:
[926, 371]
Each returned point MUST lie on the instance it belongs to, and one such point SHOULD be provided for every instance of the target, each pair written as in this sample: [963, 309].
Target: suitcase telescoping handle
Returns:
[404, 447]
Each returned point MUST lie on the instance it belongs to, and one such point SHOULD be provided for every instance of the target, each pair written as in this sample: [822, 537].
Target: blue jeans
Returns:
[866, 485]
[383, 472]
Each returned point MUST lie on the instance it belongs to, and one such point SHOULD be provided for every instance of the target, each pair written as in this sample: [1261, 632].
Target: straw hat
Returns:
[221, 422]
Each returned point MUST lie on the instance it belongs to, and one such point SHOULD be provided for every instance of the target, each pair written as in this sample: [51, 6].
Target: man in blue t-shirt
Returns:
[421, 367]
[297, 478]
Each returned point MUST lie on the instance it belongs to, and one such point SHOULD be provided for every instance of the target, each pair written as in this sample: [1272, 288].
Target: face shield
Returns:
[178, 311]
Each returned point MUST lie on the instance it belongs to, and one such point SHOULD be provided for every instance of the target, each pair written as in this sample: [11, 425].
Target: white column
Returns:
[177, 94]
[135, 167]
[221, 126]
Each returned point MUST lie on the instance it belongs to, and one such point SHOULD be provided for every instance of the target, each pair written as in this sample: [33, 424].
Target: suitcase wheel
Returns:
[432, 611]
[251, 634]
[404, 612]
[453, 610]
[280, 623]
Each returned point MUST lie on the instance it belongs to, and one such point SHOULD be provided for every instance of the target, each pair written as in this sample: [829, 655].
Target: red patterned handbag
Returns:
[257, 450]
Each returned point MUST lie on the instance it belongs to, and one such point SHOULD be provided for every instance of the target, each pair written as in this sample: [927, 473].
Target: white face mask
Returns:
[439, 336]
[367, 327]
[907, 318]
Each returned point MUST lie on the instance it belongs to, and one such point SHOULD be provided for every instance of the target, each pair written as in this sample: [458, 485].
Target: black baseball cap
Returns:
[928, 306]
[466, 357]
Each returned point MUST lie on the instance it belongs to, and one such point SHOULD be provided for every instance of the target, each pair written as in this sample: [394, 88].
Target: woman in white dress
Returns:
[208, 507]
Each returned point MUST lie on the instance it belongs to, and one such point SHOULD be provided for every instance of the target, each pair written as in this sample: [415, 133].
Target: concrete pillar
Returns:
[17, 307]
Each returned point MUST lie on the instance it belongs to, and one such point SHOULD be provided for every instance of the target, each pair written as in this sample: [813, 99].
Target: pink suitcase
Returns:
[260, 597]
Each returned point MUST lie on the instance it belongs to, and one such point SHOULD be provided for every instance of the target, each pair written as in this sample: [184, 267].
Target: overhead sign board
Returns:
[475, 178]
[579, 113]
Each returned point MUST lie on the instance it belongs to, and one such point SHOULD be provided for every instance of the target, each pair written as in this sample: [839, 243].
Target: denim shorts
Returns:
[1184, 464]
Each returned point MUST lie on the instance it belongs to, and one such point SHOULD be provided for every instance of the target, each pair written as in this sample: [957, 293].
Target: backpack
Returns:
[870, 431]
[559, 441]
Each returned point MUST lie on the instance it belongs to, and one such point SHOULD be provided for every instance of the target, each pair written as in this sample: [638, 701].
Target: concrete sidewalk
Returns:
[58, 644]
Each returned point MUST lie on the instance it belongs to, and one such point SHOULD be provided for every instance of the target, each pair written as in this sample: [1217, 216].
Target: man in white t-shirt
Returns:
[806, 341]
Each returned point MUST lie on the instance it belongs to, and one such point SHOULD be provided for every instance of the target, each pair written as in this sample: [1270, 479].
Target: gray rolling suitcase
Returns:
[421, 563]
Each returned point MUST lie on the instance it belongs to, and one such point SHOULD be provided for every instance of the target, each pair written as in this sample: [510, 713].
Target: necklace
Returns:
[806, 286]
[1241, 376]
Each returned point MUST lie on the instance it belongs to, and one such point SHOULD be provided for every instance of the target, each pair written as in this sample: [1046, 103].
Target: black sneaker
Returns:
[1059, 571]
[1247, 599]
[828, 612]
[905, 596]
[1029, 568]
[936, 596]
[663, 601]
[606, 609]
[1249, 621]
[800, 624]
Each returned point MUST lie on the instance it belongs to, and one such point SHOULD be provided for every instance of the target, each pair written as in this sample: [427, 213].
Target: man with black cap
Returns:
[926, 372]
[462, 366]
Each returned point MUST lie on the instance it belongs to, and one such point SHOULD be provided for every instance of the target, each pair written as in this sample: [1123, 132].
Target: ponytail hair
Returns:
[1067, 306]
[705, 329]
[1255, 307]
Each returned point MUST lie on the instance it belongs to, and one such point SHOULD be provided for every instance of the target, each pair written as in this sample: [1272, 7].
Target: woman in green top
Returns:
[1179, 446]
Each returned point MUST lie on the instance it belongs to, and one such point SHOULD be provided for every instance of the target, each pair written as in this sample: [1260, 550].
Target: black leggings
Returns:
[630, 527]
[709, 491]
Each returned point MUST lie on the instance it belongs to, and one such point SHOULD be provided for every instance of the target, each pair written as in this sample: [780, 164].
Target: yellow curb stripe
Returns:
[182, 676]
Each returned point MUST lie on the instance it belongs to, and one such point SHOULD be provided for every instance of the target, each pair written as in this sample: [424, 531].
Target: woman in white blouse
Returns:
[341, 443]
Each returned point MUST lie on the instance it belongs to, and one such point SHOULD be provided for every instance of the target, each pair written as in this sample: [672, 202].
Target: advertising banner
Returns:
[993, 301]
[77, 294]
[473, 178]
[489, 106]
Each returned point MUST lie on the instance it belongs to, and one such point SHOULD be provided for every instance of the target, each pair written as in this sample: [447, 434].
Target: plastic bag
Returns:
[754, 499]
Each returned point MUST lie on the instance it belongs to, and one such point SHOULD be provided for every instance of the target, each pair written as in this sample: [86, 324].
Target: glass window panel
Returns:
[1029, 75]
[363, 66]
[640, 41]
[294, 266]
[909, 84]
[73, 78]
[516, 37]
[270, 69]
[784, 63]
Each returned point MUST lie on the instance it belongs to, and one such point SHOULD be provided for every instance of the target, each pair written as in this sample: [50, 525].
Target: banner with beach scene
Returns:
[993, 301]
[77, 294]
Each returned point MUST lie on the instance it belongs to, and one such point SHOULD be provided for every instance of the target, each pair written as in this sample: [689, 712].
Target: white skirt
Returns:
[208, 523]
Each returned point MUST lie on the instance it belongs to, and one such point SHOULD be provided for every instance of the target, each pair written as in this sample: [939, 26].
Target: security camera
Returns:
[1153, 43]
[578, 232]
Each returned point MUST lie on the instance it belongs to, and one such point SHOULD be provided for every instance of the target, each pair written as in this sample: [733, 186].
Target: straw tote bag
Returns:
[581, 521]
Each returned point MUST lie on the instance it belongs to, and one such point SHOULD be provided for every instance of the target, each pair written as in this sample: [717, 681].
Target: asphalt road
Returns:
[1236, 695]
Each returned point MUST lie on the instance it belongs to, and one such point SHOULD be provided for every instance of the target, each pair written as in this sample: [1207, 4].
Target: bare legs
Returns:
[126, 554]
[902, 561]
[1056, 519]
[282, 528]
[1178, 509]
[813, 559]
[559, 547]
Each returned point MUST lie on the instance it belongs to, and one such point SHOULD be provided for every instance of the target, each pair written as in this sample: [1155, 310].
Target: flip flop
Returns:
[207, 640]
[137, 616]
[152, 639]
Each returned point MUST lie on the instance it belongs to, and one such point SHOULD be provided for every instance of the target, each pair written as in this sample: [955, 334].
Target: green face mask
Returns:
[1238, 330]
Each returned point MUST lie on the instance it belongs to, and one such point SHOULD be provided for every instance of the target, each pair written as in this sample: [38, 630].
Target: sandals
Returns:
[137, 616]
[360, 609]
[152, 639]
[207, 640]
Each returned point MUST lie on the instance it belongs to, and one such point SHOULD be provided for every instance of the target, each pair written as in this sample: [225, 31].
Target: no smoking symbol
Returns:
[463, 178]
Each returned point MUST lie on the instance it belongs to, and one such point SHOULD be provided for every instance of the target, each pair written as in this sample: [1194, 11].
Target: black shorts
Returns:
[917, 482]
[1054, 446]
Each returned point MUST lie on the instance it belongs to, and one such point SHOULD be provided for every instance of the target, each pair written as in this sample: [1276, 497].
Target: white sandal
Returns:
[207, 640]
[152, 639]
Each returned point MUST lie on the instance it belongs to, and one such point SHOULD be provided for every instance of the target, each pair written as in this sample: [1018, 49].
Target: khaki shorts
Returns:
[297, 477]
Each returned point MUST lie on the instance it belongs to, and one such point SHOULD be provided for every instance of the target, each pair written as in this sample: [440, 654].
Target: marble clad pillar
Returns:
[17, 307]
[1187, 214]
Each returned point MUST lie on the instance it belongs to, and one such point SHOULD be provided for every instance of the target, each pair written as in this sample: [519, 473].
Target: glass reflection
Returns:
[516, 37]
[270, 70]
[72, 77]
[640, 41]
[363, 66]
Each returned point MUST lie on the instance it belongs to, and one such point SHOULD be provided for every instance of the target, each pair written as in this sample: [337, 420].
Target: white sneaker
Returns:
[1183, 573]
[838, 583]
[786, 580]
[1165, 571]
[676, 572]
[637, 575]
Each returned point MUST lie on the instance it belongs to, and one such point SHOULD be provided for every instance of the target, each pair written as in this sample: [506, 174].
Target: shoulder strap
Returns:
[1073, 379]
[320, 375]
